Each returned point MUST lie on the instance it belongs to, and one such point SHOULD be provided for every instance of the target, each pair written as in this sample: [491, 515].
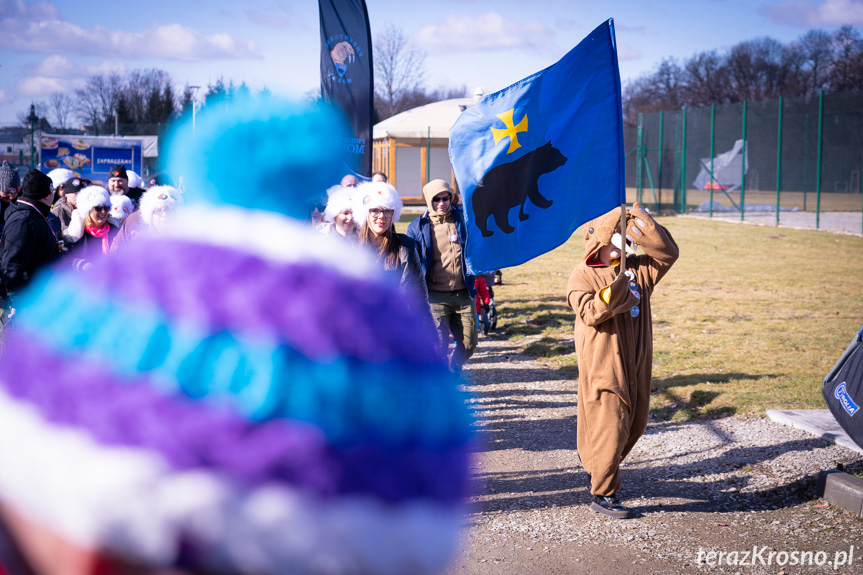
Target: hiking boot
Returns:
[610, 506]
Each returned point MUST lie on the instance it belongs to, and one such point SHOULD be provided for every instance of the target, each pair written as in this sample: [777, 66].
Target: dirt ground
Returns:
[730, 486]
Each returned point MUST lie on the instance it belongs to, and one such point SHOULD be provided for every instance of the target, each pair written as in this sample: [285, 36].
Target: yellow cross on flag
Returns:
[511, 130]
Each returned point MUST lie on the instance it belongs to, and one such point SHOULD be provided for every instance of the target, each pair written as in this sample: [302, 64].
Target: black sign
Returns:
[347, 79]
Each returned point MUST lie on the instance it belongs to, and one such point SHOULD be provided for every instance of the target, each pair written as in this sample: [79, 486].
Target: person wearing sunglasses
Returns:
[91, 229]
[379, 207]
[441, 234]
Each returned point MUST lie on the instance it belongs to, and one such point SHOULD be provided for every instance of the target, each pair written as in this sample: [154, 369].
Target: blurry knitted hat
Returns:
[257, 135]
[134, 179]
[9, 178]
[59, 176]
[175, 418]
[159, 197]
[339, 200]
[36, 185]
[118, 171]
[121, 207]
[376, 195]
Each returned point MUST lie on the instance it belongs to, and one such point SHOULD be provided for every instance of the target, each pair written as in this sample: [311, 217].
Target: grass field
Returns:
[750, 318]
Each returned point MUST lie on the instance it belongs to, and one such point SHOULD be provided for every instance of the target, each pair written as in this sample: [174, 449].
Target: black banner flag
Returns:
[346, 74]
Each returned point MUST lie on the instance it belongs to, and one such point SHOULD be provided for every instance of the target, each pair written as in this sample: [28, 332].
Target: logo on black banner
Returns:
[344, 51]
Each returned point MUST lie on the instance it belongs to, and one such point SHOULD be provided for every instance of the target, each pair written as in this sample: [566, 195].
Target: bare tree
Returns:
[817, 47]
[97, 100]
[399, 69]
[755, 70]
[847, 72]
[706, 80]
[61, 107]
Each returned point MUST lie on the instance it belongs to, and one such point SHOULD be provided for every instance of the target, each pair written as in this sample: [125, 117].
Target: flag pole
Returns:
[622, 237]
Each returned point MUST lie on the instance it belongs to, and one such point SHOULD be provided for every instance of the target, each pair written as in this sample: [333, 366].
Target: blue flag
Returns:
[550, 145]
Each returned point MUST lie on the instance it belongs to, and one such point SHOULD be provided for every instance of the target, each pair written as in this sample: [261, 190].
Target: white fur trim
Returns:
[129, 501]
[269, 235]
[75, 230]
[376, 195]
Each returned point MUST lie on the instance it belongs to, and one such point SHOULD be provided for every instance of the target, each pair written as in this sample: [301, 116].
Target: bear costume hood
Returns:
[605, 230]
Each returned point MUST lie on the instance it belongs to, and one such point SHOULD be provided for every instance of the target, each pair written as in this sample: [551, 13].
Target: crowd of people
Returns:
[62, 217]
[427, 261]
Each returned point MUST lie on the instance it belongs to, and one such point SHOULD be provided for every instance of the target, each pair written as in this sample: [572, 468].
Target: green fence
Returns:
[803, 161]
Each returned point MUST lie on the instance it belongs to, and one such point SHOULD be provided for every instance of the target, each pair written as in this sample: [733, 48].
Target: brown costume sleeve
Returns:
[589, 305]
[660, 249]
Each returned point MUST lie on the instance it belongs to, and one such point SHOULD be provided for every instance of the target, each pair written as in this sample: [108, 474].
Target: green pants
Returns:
[454, 313]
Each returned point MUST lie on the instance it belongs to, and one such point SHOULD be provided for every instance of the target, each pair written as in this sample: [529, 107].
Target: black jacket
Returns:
[26, 245]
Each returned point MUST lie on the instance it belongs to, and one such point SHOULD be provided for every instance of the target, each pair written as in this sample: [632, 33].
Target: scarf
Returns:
[100, 233]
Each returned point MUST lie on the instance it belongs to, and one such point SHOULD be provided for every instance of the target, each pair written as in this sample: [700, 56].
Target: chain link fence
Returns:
[793, 162]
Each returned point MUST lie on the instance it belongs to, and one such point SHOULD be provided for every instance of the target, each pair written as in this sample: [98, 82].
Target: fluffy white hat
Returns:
[90, 197]
[156, 197]
[121, 207]
[87, 199]
[134, 179]
[59, 176]
[376, 195]
[338, 201]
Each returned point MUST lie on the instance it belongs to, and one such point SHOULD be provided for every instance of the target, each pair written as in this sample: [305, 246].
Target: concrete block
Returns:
[842, 489]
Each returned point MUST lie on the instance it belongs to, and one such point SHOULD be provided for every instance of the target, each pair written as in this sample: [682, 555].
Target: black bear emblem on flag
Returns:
[506, 186]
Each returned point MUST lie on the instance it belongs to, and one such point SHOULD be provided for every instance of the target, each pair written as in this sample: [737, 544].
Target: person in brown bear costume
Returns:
[614, 344]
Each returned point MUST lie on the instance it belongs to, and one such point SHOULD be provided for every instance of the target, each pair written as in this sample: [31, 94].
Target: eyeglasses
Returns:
[440, 200]
[381, 213]
[102, 208]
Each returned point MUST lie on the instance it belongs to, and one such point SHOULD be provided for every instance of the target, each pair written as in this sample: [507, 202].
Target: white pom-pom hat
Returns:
[376, 195]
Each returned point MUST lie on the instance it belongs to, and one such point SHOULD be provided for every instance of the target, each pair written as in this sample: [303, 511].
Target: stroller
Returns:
[486, 311]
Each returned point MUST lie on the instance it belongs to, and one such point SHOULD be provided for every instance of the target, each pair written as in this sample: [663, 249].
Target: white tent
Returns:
[413, 143]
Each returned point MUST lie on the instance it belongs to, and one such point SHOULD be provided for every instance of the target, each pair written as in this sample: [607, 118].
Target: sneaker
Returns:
[610, 506]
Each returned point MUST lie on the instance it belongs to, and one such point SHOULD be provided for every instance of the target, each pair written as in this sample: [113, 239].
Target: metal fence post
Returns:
[743, 167]
[683, 167]
[639, 157]
[818, 161]
[779, 161]
[712, 142]
[659, 163]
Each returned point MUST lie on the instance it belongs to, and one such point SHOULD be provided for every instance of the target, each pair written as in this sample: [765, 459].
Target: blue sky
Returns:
[53, 45]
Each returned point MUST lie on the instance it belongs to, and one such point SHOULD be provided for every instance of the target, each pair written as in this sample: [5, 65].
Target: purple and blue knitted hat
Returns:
[237, 394]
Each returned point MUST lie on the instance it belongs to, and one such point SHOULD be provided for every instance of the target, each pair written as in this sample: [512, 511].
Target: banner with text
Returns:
[90, 157]
[346, 74]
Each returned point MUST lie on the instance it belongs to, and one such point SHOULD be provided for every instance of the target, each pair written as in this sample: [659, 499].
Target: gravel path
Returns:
[724, 485]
